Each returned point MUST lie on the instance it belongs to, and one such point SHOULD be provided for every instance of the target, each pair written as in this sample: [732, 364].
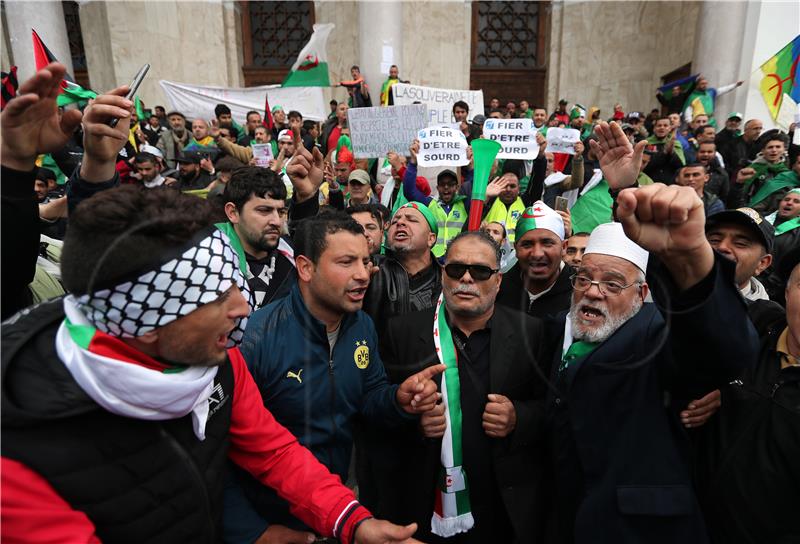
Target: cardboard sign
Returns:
[439, 101]
[517, 136]
[262, 153]
[562, 140]
[376, 131]
[442, 146]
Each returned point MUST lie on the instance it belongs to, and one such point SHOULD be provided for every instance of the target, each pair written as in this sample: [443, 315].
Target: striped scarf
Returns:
[452, 513]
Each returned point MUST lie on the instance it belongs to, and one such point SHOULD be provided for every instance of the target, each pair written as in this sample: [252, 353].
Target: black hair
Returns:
[355, 67]
[170, 114]
[144, 157]
[251, 112]
[158, 107]
[699, 130]
[371, 209]
[514, 166]
[295, 113]
[251, 181]
[333, 103]
[496, 110]
[694, 164]
[308, 124]
[310, 237]
[385, 212]
[774, 136]
[480, 235]
[460, 104]
[43, 174]
[233, 130]
[221, 109]
[121, 233]
[228, 164]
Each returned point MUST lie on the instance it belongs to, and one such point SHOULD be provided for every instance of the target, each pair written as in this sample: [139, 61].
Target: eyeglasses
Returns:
[607, 288]
[477, 272]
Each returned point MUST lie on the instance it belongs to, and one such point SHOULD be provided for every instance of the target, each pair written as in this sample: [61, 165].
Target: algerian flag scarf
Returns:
[452, 513]
[784, 179]
[127, 382]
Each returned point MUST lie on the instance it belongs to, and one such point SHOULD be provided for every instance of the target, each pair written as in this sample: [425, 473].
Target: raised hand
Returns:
[31, 123]
[496, 187]
[101, 143]
[413, 150]
[418, 393]
[305, 169]
[670, 222]
[619, 160]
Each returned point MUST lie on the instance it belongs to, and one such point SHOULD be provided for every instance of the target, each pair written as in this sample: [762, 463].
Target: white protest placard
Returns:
[439, 101]
[262, 153]
[376, 131]
[562, 140]
[517, 136]
[442, 146]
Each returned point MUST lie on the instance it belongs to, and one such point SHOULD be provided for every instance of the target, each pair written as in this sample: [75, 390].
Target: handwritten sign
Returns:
[439, 101]
[442, 146]
[562, 140]
[517, 136]
[376, 131]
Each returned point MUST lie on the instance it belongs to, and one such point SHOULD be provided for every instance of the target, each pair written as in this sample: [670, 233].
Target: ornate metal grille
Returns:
[278, 31]
[74, 35]
[507, 34]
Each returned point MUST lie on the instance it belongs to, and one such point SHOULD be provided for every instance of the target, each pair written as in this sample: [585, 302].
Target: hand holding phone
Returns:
[134, 86]
[562, 204]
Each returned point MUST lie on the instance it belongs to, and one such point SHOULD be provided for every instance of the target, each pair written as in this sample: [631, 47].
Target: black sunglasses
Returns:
[478, 272]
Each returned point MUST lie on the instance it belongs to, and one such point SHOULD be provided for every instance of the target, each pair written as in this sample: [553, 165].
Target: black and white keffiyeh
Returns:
[181, 285]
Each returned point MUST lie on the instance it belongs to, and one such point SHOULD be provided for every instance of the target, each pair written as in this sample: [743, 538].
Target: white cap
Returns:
[152, 150]
[610, 239]
[539, 216]
[285, 133]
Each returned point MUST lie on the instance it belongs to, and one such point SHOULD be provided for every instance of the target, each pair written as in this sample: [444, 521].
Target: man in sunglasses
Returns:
[620, 364]
[497, 389]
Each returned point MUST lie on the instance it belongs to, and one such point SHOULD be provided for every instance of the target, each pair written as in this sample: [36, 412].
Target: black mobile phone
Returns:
[134, 86]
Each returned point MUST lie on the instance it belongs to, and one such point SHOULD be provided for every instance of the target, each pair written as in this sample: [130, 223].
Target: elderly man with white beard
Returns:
[619, 453]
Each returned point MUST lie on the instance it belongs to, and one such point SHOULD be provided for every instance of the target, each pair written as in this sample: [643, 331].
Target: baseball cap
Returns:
[479, 120]
[191, 157]
[360, 176]
[736, 115]
[748, 218]
[635, 115]
[285, 134]
[445, 174]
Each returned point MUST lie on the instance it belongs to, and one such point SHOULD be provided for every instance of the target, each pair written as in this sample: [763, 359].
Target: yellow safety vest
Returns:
[449, 224]
[506, 215]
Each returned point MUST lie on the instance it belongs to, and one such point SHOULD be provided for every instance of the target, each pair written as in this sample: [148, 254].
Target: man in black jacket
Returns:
[539, 283]
[620, 463]
[501, 399]
[748, 477]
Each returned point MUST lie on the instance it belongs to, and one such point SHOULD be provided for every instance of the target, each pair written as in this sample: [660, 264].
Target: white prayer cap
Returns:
[539, 216]
[610, 239]
[152, 150]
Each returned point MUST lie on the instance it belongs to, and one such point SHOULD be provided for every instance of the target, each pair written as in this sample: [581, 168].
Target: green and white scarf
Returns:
[452, 513]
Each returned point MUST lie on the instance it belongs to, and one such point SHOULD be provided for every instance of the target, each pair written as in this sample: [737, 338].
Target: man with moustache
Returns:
[496, 390]
[539, 283]
[314, 357]
[617, 450]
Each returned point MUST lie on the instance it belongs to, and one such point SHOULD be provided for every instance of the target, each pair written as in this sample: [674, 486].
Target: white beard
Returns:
[609, 326]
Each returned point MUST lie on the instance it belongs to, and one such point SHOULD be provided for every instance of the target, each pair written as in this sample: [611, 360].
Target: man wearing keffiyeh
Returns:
[131, 378]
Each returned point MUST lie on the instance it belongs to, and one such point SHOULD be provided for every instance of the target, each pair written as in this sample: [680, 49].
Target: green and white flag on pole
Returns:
[311, 67]
[452, 513]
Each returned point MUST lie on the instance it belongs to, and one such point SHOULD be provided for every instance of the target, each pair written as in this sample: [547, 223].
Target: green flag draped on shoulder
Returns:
[311, 67]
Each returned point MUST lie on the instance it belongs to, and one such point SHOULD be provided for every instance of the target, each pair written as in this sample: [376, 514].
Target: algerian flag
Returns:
[311, 67]
[593, 208]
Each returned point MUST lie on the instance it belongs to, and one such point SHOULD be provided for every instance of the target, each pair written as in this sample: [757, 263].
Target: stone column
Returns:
[47, 18]
[380, 38]
[718, 48]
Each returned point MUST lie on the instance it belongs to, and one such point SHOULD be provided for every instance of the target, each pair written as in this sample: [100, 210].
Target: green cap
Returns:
[426, 212]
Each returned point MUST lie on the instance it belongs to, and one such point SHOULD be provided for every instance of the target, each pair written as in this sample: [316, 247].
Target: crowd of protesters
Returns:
[221, 329]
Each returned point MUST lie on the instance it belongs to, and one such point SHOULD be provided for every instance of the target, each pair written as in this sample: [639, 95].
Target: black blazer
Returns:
[628, 474]
[513, 294]
[410, 462]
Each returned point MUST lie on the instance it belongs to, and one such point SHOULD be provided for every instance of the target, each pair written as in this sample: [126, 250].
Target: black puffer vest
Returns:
[137, 481]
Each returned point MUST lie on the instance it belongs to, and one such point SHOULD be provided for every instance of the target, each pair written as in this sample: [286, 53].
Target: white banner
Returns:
[442, 146]
[517, 136]
[376, 131]
[562, 140]
[439, 101]
[198, 101]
